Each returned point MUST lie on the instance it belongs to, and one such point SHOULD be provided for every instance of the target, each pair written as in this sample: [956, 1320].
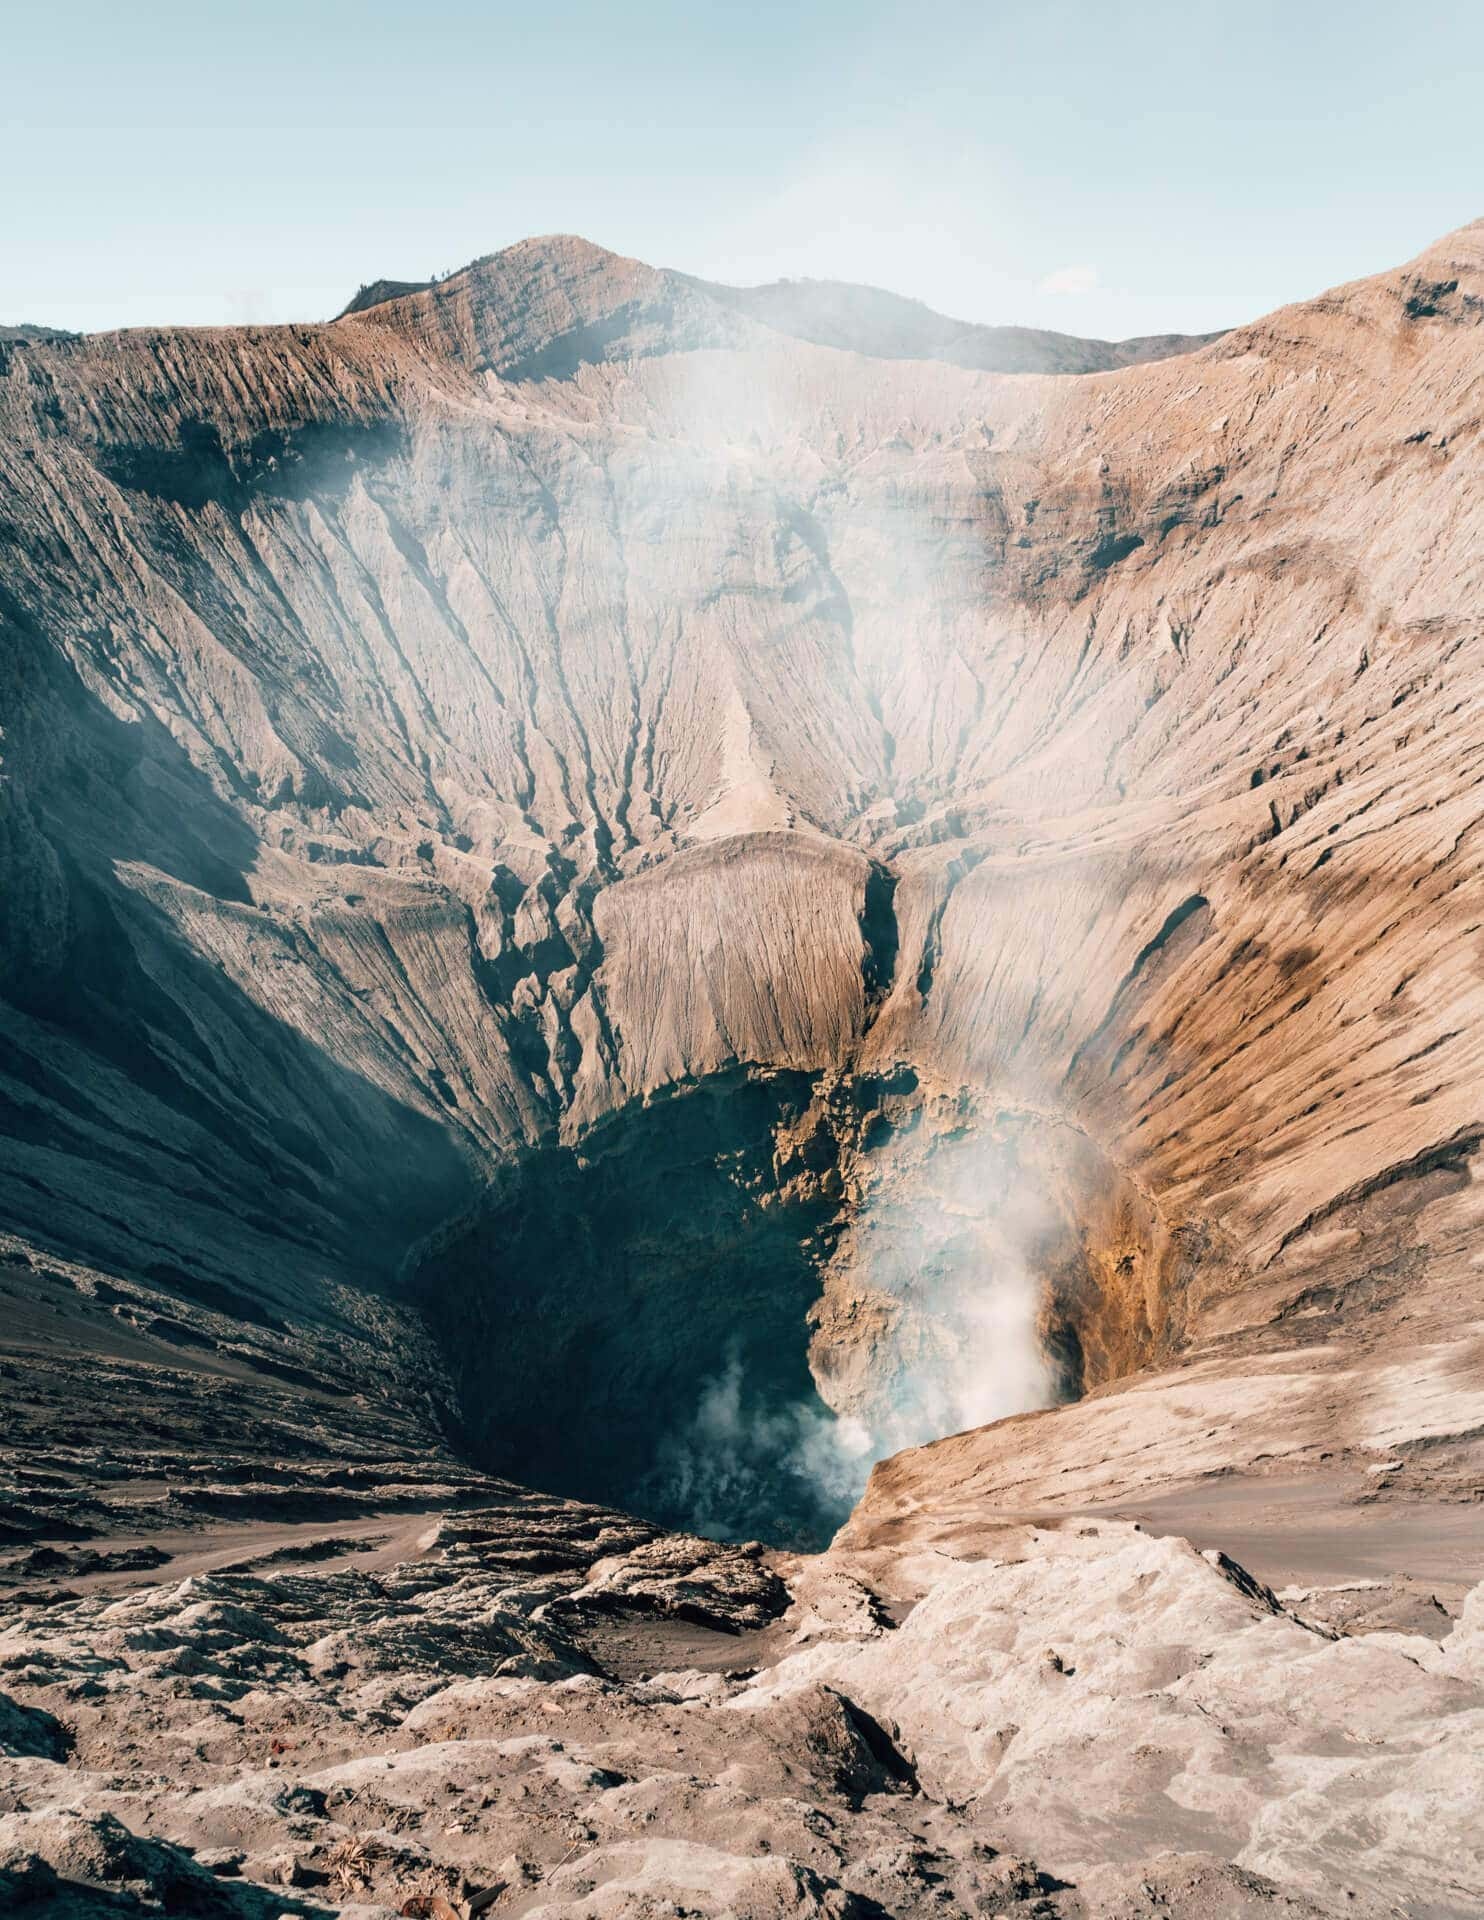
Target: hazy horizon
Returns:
[1076, 168]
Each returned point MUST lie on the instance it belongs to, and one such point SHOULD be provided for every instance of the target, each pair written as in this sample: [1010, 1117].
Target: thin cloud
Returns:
[1070, 280]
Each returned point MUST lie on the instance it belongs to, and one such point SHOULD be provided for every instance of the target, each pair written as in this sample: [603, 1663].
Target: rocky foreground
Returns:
[621, 887]
[549, 1709]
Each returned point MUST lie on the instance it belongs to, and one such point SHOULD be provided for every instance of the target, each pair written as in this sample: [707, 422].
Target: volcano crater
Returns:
[719, 1306]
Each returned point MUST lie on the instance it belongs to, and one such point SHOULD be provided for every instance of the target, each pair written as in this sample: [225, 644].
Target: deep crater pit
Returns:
[720, 1307]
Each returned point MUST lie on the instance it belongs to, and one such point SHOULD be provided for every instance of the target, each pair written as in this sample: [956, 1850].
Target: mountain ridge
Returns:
[856, 318]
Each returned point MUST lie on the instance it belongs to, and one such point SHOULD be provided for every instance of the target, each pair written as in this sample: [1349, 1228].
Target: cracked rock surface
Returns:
[462, 1727]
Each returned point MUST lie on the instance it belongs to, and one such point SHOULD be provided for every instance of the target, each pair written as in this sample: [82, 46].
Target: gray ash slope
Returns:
[970, 821]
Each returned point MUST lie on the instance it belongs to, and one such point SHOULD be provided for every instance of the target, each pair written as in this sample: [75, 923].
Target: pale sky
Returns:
[1100, 167]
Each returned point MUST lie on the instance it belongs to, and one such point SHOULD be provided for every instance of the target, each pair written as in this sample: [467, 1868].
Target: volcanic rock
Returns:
[641, 918]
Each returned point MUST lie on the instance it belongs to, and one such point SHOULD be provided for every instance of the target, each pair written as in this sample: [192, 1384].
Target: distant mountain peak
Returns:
[548, 303]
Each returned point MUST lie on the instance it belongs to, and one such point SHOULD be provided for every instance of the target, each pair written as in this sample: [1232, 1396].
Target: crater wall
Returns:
[417, 762]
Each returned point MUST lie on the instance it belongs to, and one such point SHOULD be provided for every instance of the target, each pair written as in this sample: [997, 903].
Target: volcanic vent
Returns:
[720, 1307]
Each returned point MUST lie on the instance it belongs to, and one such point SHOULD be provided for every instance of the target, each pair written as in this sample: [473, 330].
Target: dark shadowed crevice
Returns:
[879, 933]
[1173, 922]
[628, 1321]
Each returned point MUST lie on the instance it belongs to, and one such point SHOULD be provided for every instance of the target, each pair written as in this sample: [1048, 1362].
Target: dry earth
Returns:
[616, 886]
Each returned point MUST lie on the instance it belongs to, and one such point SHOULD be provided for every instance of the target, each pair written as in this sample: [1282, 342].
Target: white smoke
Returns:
[743, 1465]
[956, 1241]
[948, 1257]
[842, 466]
